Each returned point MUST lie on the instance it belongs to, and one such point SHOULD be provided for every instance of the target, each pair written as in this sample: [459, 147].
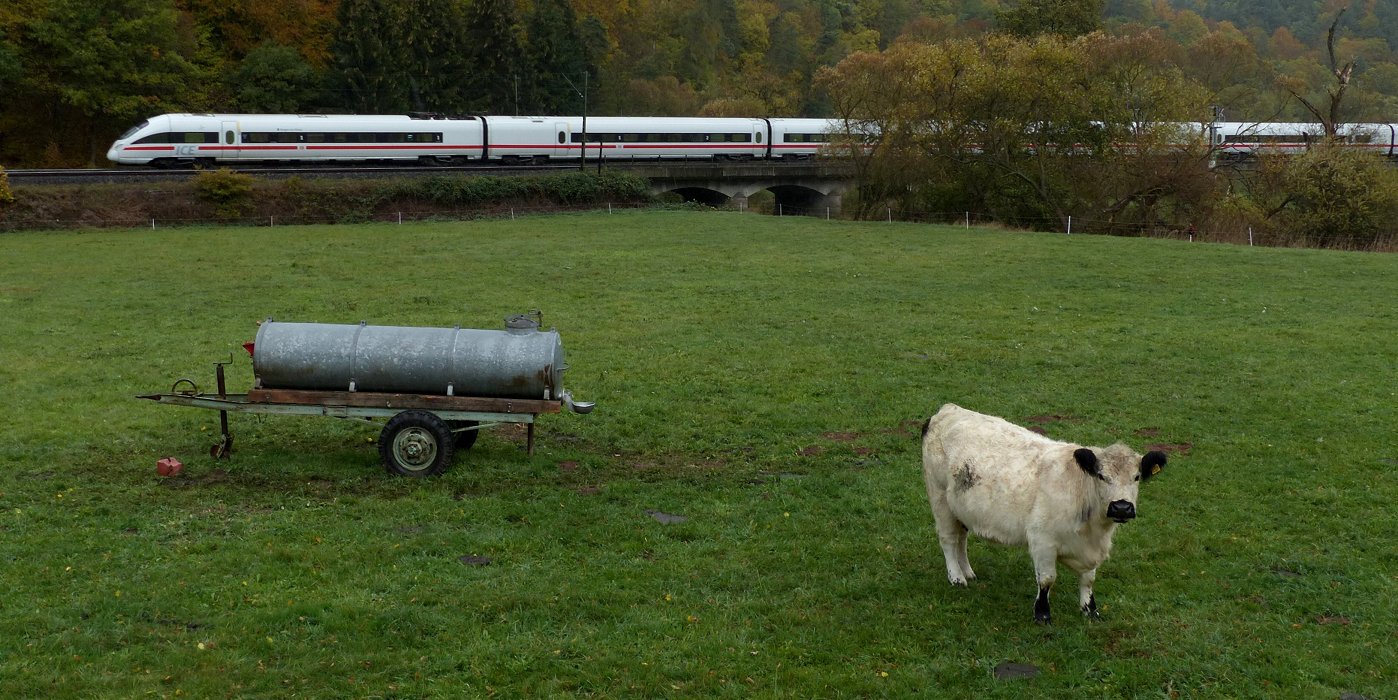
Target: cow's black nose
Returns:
[1121, 511]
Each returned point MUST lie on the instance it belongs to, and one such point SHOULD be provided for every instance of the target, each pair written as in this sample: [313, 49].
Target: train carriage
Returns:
[208, 139]
[656, 138]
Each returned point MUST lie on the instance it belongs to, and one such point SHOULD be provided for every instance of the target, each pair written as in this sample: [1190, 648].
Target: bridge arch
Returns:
[808, 188]
[703, 195]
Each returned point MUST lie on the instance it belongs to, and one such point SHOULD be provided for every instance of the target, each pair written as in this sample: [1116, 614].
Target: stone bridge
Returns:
[813, 188]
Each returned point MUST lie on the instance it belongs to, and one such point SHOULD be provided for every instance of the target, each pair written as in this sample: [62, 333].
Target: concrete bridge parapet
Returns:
[806, 187]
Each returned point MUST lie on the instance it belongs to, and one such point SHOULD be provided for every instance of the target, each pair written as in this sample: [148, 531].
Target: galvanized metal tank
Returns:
[520, 362]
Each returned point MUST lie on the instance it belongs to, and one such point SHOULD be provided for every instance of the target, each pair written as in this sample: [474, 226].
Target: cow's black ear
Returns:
[1087, 459]
[1152, 463]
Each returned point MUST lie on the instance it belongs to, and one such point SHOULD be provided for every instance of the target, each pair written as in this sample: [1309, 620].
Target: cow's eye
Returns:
[1138, 478]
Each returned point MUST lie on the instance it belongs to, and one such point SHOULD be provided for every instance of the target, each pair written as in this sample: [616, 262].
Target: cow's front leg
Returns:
[1045, 573]
[1086, 600]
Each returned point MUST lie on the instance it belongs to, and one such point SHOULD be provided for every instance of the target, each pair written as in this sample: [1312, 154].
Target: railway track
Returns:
[78, 176]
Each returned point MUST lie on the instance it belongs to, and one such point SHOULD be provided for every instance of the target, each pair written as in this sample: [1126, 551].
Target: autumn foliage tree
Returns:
[1027, 130]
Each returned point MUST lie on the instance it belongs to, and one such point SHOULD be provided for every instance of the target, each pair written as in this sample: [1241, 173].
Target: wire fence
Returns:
[1072, 225]
[1069, 226]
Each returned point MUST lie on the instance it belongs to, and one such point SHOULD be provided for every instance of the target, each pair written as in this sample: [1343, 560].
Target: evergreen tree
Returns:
[495, 57]
[401, 55]
[559, 60]
[1067, 18]
[369, 71]
[434, 31]
[274, 78]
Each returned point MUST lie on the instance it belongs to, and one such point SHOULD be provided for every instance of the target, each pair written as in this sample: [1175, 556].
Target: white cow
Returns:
[1014, 486]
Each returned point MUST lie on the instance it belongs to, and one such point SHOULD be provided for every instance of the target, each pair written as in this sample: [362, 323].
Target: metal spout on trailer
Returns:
[576, 406]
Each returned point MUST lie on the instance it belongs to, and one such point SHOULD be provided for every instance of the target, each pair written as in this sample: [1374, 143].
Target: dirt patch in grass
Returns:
[1053, 418]
[840, 436]
[1181, 448]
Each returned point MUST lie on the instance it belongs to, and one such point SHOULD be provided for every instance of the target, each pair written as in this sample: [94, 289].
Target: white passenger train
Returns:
[172, 140]
[208, 139]
[1248, 139]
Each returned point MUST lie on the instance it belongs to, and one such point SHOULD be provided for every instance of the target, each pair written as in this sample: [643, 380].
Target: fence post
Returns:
[1249, 235]
[827, 213]
[152, 224]
[400, 218]
[968, 221]
[1070, 224]
[890, 215]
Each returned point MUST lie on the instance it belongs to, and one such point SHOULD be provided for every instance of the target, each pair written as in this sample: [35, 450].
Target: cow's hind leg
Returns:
[951, 534]
[961, 554]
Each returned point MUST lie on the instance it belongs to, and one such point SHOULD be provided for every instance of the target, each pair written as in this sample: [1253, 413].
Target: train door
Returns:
[228, 140]
[561, 137]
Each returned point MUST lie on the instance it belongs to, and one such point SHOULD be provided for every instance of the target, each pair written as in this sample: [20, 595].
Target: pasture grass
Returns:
[763, 378]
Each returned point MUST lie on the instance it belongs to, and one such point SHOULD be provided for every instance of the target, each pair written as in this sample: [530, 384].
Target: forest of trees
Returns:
[935, 75]
[74, 73]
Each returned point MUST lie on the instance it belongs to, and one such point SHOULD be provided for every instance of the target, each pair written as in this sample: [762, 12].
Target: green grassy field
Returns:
[765, 379]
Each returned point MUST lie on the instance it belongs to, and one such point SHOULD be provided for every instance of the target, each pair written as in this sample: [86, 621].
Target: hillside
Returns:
[74, 74]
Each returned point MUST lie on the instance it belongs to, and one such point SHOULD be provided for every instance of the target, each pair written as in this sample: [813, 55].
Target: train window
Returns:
[228, 137]
[133, 130]
[759, 137]
[154, 138]
[562, 137]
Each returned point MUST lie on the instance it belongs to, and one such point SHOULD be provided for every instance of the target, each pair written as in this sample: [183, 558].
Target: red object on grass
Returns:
[168, 466]
[248, 347]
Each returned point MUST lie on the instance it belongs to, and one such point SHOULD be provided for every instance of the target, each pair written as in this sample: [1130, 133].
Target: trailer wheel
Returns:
[416, 443]
[465, 438]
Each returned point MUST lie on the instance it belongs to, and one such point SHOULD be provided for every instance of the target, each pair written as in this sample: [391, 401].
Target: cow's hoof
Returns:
[1090, 610]
[1043, 619]
[958, 582]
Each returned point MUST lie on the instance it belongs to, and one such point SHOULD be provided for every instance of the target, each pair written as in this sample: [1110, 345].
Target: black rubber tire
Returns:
[416, 443]
[465, 438]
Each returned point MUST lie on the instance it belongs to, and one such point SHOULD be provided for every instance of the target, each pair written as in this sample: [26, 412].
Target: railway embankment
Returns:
[226, 197]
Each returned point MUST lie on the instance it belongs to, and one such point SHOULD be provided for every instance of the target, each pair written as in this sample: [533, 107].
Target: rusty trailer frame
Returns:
[422, 431]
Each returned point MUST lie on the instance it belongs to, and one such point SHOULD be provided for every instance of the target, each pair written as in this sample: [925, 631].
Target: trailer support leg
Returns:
[224, 447]
[529, 448]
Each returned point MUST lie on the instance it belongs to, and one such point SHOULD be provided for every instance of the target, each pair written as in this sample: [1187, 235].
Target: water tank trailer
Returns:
[436, 387]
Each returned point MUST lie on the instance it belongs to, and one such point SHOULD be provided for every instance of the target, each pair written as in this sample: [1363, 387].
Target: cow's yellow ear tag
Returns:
[1155, 469]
